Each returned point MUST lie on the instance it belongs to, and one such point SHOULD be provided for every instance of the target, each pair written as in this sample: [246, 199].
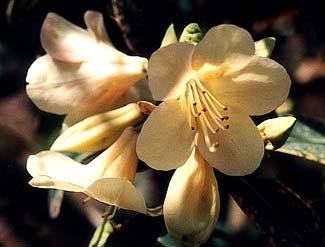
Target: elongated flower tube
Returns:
[99, 131]
[82, 73]
[108, 178]
[192, 203]
[208, 93]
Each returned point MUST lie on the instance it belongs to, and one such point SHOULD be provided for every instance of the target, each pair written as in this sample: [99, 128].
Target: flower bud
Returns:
[192, 203]
[264, 47]
[169, 37]
[99, 131]
[276, 131]
[191, 34]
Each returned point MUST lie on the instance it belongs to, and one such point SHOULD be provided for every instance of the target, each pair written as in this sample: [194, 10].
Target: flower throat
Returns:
[205, 112]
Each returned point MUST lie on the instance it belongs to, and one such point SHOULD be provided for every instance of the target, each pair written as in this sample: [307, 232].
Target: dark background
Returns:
[24, 220]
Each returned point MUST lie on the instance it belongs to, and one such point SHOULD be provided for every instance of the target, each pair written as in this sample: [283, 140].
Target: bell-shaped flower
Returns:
[208, 92]
[108, 178]
[82, 73]
[192, 202]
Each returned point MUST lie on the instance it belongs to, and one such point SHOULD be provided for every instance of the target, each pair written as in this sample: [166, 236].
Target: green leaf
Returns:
[191, 34]
[169, 37]
[307, 140]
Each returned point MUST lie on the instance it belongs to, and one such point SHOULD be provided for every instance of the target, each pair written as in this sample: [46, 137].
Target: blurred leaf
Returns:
[55, 202]
[191, 34]
[170, 36]
[307, 140]
[281, 215]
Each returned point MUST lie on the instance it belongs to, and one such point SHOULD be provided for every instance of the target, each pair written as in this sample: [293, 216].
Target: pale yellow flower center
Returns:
[205, 112]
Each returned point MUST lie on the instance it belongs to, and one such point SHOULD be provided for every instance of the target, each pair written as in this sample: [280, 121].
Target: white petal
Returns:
[166, 139]
[64, 40]
[69, 43]
[59, 169]
[118, 192]
[225, 47]
[241, 148]
[119, 160]
[169, 69]
[95, 25]
[256, 89]
[140, 91]
[61, 88]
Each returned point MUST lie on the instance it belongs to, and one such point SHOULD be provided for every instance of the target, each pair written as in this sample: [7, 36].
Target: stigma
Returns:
[205, 113]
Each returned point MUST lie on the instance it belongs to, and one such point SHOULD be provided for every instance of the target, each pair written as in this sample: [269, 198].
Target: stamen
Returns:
[206, 136]
[196, 95]
[105, 215]
[214, 147]
[189, 115]
[114, 211]
[204, 112]
[208, 123]
[217, 101]
[217, 120]
[87, 199]
[110, 212]
[209, 97]
[192, 102]
[107, 211]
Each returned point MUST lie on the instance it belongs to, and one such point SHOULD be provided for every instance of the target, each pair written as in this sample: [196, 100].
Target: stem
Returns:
[122, 23]
[108, 209]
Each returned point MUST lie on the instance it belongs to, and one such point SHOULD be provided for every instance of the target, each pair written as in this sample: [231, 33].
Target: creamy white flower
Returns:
[108, 178]
[208, 92]
[82, 73]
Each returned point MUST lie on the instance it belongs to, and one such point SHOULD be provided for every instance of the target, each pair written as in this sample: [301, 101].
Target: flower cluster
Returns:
[85, 78]
[207, 91]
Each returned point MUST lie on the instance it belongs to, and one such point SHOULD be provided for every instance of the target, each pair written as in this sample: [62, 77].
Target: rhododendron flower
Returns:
[82, 73]
[192, 202]
[208, 92]
[108, 178]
